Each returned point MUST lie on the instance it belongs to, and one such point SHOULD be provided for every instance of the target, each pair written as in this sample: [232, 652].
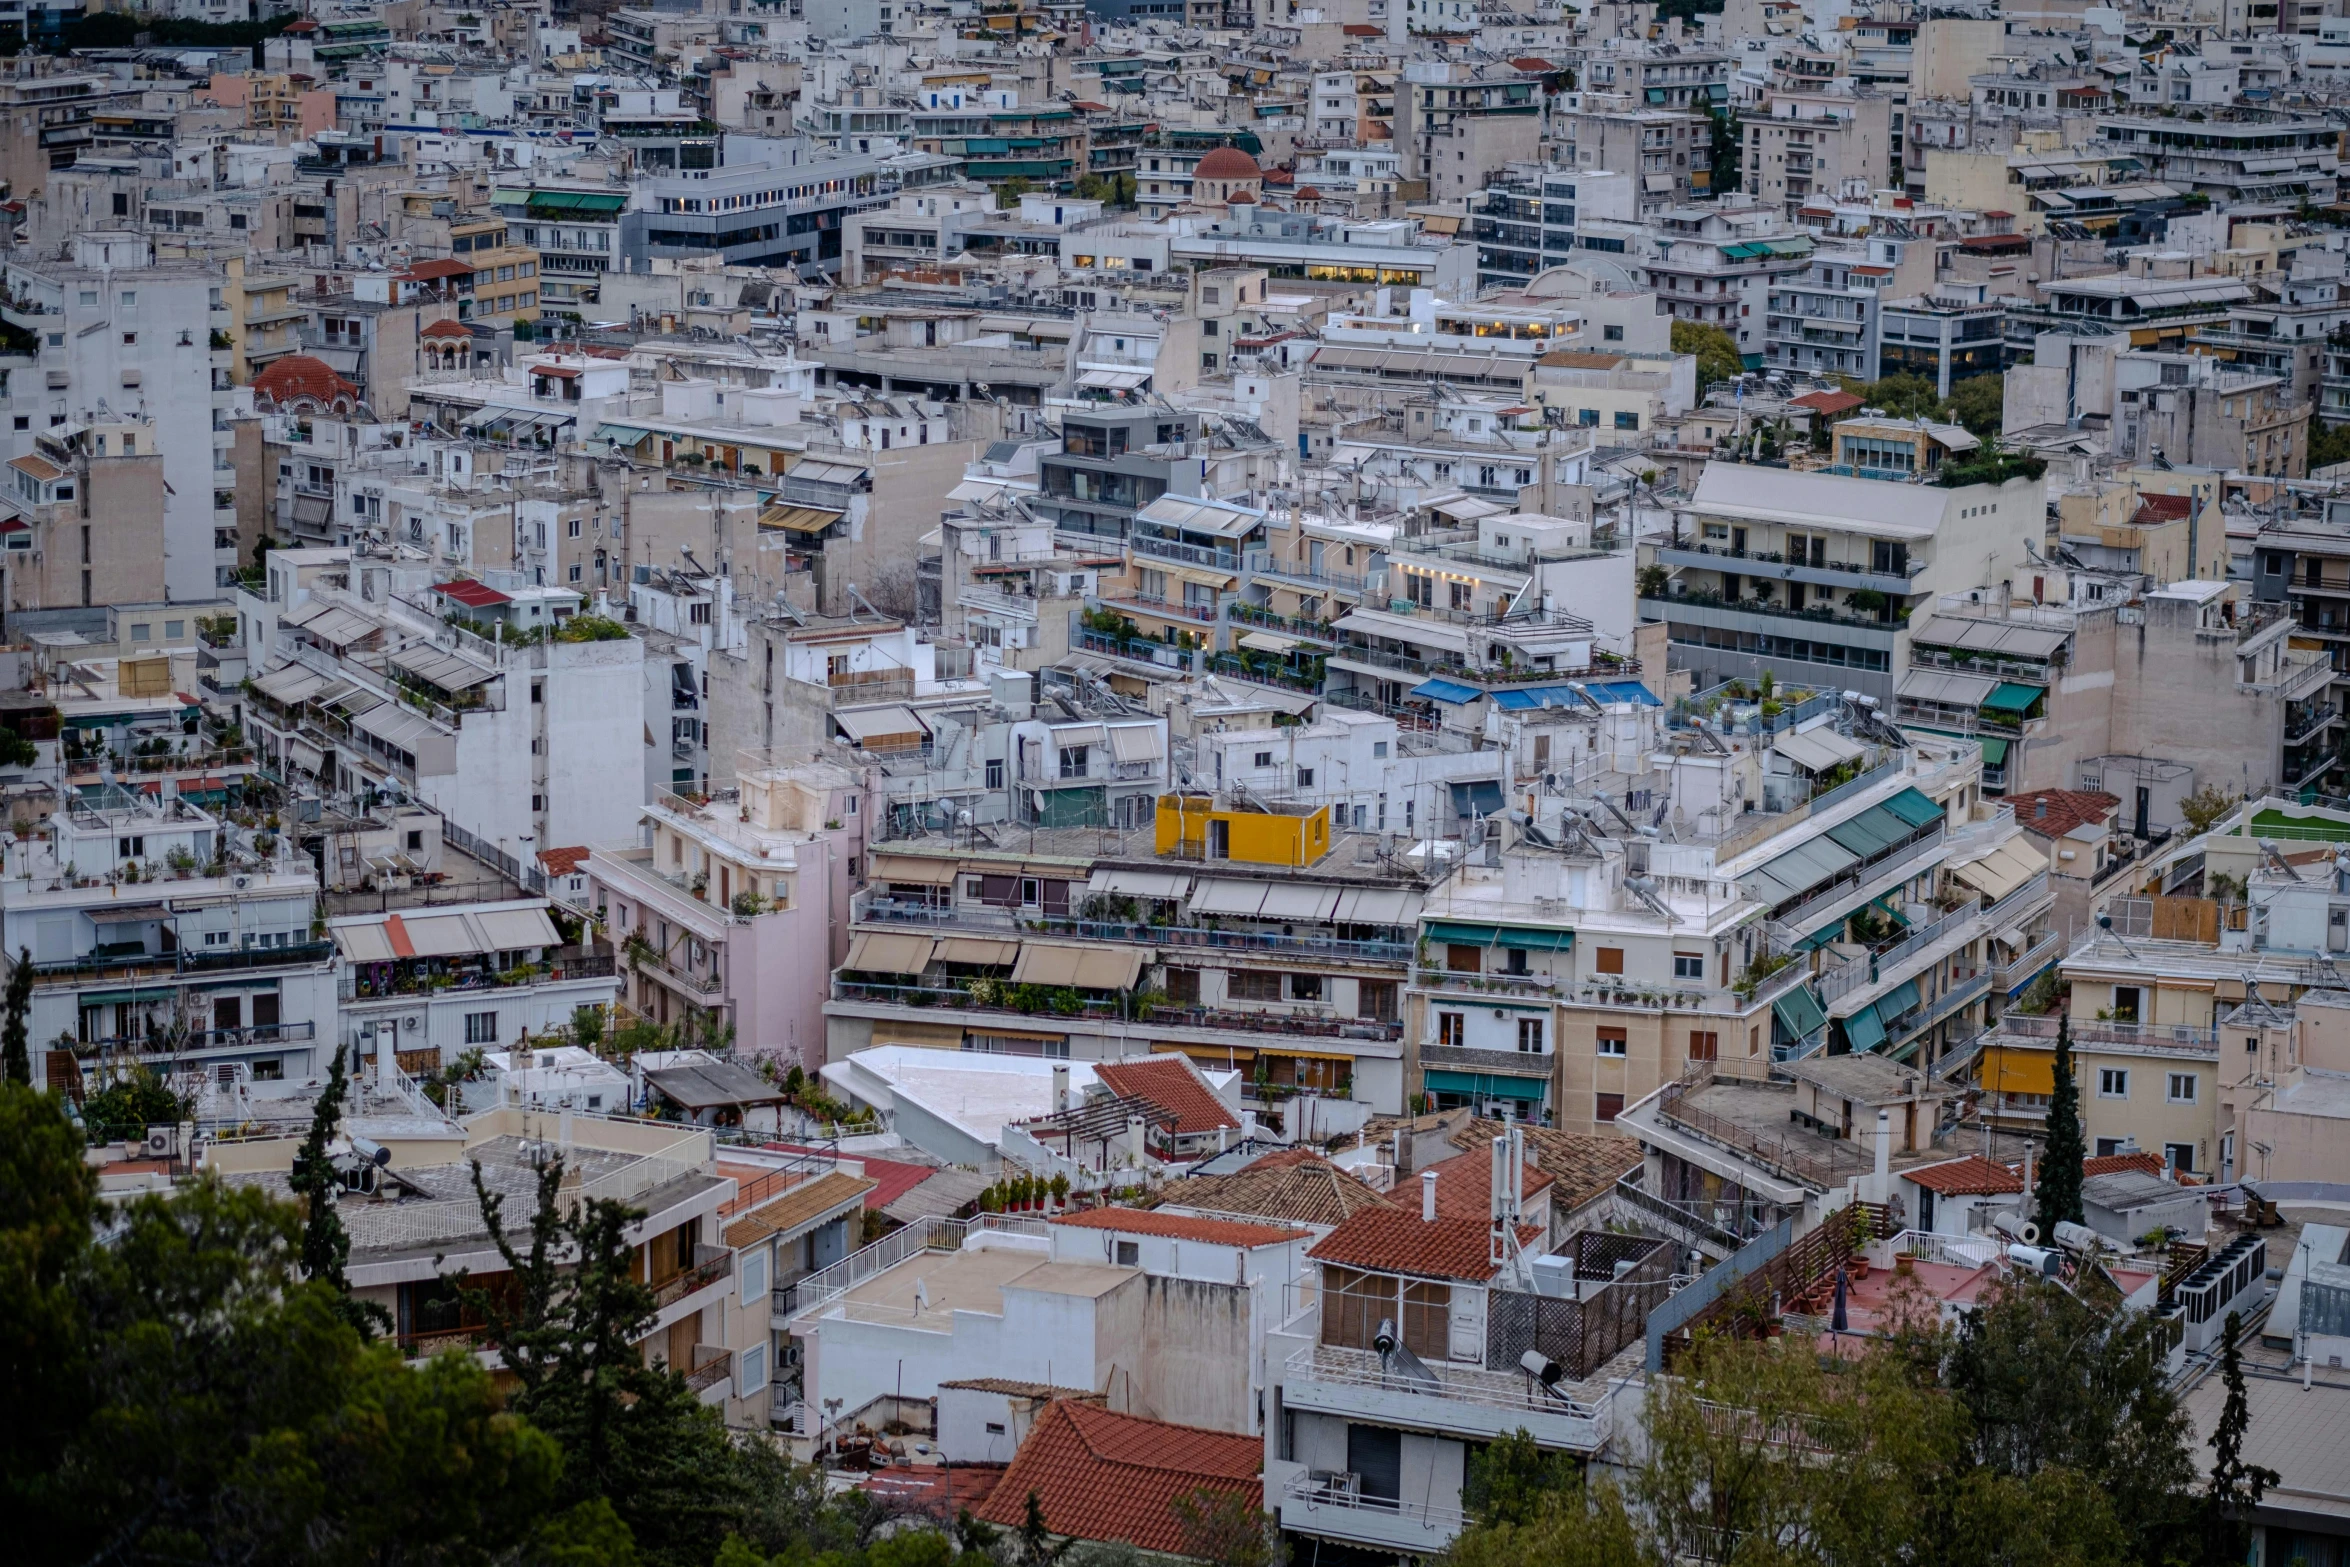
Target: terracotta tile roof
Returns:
[1296, 1184]
[447, 329]
[562, 862]
[1973, 1176]
[2114, 1163]
[2164, 508]
[298, 376]
[1391, 1239]
[1173, 1084]
[1829, 403]
[1098, 1475]
[2051, 813]
[1585, 1166]
[445, 267]
[1181, 1227]
[479, 595]
[800, 1205]
[40, 468]
[1464, 1185]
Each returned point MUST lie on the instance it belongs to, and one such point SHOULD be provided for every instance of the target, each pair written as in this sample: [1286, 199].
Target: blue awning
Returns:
[1447, 691]
[1520, 699]
[1624, 691]
[1800, 1012]
[1863, 1032]
[1490, 1084]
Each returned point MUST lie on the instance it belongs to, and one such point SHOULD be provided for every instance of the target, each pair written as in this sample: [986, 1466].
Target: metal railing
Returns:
[1861, 972]
[1826, 1165]
[699, 1277]
[827, 1284]
[203, 1039]
[1338, 1366]
[2175, 1038]
[1314, 1489]
[1003, 921]
[1959, 1057]
[1674, 1214]
[1869, 881]
[2043, 952]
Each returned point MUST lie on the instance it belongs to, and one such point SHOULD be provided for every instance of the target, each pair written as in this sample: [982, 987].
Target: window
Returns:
[1264, 759]
[1689, 965]
[1253, 985]
[2182, 1088]
[1704, 1045]
[1450, 1030]
[1378, 750]
[575, 526]
[2126, 1003]
[1073, 761]
[1612, 1042]
[1611, 334]
[754, 1369]
[1530, 1036]
[2179, 1156]
[754, 1276]
[1606, 1107]
[1305, 778]
[130, 848]
[1305, 987]
[1129, 1254]
[995, 772]
[1627, 420]
[1607, 960]
[2113, 1082]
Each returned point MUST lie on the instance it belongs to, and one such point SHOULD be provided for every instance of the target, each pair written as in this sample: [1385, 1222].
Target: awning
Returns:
[1266, 642]
[1945, 689]
[1994, 753]
[1226, 1057]
[1800, 1012]
[443, 669]
[312, 511]
[1480, 795]
[799, 519]
[2003, 870]
[441, 935]
[107, 998]
[977, 951]
[1068, 736]
[865, 724]
[1531, 940]
[1490, 1085]
[1818, 750]
[1913, 808]
[1446, 691]
[2013, 697]
[1086, 968]
[626, 435]
[1454, 934]
[1870, 834]
[1231, 898]
[1138, 884]
[1294, 901]
[303, 757]
[1113, 380]
[365, 943]
[888, 952]
[1863, 1032]
[291, 685]
[1137, 743]
[510, 930]
[1800, 869]
[396, 727]
[913, 871]
[1373, 906]
[818, 472]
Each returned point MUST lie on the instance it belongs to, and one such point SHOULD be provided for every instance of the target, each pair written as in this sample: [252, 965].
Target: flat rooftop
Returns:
[973, 1280]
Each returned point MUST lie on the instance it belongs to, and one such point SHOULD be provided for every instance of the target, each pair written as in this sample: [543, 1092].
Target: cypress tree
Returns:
[2060, 1176]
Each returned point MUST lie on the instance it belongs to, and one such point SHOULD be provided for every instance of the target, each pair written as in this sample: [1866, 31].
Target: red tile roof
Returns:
[1098, 1475]
[1173, 1084]
[2052, 813]
[1464, 1186]
[1397, 1240]
[1533, 62]
[424, 271]
[2115, 1162]
[1296, 1184]
[562, 862]
[1181, 1227]
[2164, 508]
[297, 377]
[1973, 1176]
[1829, 403]
[479, 595]
[447, 329]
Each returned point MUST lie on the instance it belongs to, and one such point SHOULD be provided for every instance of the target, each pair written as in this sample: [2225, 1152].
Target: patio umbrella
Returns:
[1837, 1321]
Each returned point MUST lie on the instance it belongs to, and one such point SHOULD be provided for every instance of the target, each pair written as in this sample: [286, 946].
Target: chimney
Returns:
[1134, 1133]
[1403, 1149]
[1884, 1153]
[1060, 1086]
[1428, 1196]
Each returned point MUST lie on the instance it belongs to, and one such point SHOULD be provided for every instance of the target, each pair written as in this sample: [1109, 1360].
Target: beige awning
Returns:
[868, 724]
[441, 935]
[1088, 968]
[1290, 901]
[977, 950]
[1374, 906]
[1235, 898]
[1111, 968]
[2003, 870]
[927, 1036]
[1139, 884]
[1137, 743]
[1267, 642]
[509, 930]
[913, 871]
[888, 952]
[365, 943]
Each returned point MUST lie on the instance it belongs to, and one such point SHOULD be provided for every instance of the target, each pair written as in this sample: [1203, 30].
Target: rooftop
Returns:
[1099, 1475]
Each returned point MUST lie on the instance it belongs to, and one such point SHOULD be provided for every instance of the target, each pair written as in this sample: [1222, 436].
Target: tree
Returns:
[567, 1323]
[1512, 1480]
[2235, 1487]
[1227, 1529]
[2328, 444]
[126, 1107]
[1980, 402]
[1577, 1527]
[16, 1062]
[1009, 192]
[16, 750]
[2206, 808]
[1902, 395]
[587, 1027]
[1725, 148]
[2059, 1197]
[1033, 1539]
[1718, 358]
[48, 1197]
[326, 1249]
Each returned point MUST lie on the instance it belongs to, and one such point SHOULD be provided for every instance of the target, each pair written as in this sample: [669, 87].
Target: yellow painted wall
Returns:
[1255, 837]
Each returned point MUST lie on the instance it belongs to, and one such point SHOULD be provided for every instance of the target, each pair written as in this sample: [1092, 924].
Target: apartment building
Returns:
[1718, 265]
[1813, 575]
[1804, 146]
[2254, 159]
[1664, 150]
[110, 328]
[87, 518]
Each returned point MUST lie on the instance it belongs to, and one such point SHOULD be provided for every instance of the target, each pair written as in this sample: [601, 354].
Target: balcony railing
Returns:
[1821, 1162]
[1509, 1063]
[151, 965]
[693, 1280]
[260, 1034]
[1005, 922]
[1470, 982]
[1512, 1392]
[2043, 952]
[1662, 609]
[2164, 1038]
[1189, 554]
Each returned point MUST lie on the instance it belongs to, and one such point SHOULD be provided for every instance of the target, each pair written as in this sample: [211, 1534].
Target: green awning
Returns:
[108, 998]
[1800, 1012]
[2010, 697]
[1994, 753]
[1490, 1084]
[1827, 933]
[1871, 833]
[1913, 808]
[1862, 1031]
[1537, 940]
[579, 201]
[1457, 935]
[1902, 998]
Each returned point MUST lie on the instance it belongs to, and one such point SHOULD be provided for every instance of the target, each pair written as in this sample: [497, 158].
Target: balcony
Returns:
[1262, 563]
[259, 1036]
[1007, 922]
[1189, 554]
[1153, 607]
[147, 965]
[1902, 1033]
[1508, 1063]
[694, 1280]
[1471, 983]
[2012, 977]
[1463, 1401]
[1332, 1506]
[1769, 617]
